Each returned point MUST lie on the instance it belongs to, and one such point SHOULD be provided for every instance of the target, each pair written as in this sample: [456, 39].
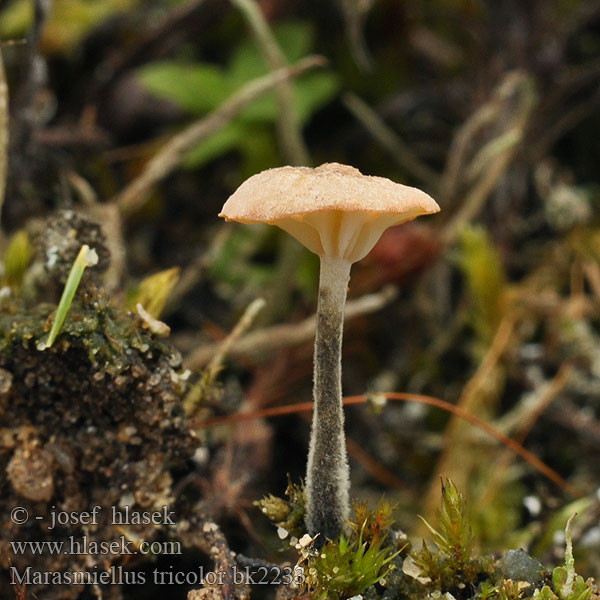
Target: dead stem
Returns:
[514, 446]
[213, 368]
[266, 341]
[171, 155]
[466, 402]
[3, 131]
[213, 543]
[514, 95]
[293, 147]
[542, 401]
[390, 140]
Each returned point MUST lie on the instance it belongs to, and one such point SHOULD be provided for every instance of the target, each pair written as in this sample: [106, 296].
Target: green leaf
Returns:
[484, 272]
[86, 258]
[224, 140]
[313, 91]
[153, 292]
[195, 87]
[17, 258]
[295, 38]
[259, 149]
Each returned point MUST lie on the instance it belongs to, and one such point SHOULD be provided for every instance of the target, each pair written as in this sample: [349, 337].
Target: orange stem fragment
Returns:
[517, 448]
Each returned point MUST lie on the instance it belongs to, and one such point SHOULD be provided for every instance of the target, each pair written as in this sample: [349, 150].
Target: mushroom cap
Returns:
[333, 210]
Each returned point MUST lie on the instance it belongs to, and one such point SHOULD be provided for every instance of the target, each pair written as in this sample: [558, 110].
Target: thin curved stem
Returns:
[327, 474]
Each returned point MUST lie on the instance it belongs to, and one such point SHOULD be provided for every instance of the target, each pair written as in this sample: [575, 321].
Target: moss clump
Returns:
[373, 561]
[286, 514]
[452, 567]
[348, 566]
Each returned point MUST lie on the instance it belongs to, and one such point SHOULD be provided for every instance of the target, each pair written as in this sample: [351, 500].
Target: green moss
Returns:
[109, 336]
[373, 558]
[348, 566]
[287, 514]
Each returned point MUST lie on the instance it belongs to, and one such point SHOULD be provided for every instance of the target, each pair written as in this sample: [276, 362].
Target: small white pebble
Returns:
[200, 456]
[410, 568]
[591, 538]
[305, 540]
[91, 257]
[533, 505]
[126, 500]
[282, 533]
[208, 527]
[559, 538]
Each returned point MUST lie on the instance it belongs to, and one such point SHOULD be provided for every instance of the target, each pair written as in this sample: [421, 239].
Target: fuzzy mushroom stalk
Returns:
[327, 472]
[339, 214]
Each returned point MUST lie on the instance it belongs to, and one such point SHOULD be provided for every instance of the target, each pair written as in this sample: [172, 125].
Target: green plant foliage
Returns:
[453, 563]
[373, 523]
[86, 258]
[199, 88]
[16, 259]
[513, 590]
[348, 566]
[454, 538]
[488, 591]
[69, 20]
[486, 279]
[566, 584]
[234, 267]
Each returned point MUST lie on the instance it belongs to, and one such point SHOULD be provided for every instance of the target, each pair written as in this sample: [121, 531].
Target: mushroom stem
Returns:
[327, 475]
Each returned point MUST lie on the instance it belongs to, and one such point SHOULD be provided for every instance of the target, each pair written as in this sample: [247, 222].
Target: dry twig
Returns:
[213, 543]
[215, 364]
[293, 146]
[527, 421]
[533, 460]
[388, 138]
[514, 97]
[265, 341]
[169, 158]
[3, 130]
[467, 403]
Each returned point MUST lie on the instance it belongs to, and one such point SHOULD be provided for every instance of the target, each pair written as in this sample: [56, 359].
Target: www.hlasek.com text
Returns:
[84, 546]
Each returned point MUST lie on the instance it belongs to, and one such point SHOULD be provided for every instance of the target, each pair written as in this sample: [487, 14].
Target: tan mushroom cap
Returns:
[333, 210]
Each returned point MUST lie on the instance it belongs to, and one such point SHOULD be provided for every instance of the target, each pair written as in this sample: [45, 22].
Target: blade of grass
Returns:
[85, 258]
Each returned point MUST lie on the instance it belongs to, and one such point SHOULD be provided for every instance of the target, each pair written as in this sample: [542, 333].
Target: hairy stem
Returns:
[327, 476]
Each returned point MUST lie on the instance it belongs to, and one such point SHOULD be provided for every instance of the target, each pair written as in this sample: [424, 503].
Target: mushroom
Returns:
[338, 213]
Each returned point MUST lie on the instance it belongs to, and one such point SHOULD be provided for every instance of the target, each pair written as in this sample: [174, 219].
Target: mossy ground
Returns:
[96, 419]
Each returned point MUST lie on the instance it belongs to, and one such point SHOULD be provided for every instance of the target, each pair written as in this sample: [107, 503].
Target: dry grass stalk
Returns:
[171, 155]
[292, 145]
[266, 341]
[390, 140]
